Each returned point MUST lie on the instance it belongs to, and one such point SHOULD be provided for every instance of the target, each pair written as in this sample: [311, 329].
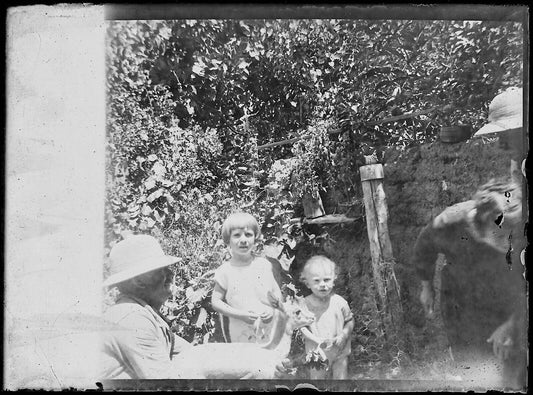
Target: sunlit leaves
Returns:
[189, 101]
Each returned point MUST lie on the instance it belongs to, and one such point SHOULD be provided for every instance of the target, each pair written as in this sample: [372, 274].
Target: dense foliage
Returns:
[190, 102]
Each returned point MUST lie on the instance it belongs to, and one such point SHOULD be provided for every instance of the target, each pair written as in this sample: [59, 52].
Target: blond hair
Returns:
[318, 260]
[239, 220]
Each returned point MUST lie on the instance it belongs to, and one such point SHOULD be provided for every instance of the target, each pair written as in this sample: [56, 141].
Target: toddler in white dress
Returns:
[333, 326]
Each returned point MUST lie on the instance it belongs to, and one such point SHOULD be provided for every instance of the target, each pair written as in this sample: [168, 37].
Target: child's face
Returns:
[241, 242]
[320, 279]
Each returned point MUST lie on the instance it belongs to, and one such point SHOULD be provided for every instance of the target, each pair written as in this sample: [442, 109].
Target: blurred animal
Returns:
[246, 360]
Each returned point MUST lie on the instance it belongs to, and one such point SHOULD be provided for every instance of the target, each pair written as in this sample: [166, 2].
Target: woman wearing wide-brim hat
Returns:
[505, 121]
[483, 290]
[142, 345]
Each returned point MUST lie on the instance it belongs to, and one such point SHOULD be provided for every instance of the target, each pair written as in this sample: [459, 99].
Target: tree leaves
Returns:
[198, 68]
[150, 183]
[189, 101]
[155, 195]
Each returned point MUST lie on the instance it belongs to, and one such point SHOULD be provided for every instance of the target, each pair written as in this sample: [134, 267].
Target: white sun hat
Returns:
[505, 112]
[136, 255]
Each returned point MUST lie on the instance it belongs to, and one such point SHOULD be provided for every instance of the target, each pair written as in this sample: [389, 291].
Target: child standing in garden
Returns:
[243, 282]
[334, 322]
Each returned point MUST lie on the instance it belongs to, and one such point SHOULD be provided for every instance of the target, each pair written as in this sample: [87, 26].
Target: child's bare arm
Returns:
[348, 327]
[268, 313]
[344, 336]
[218, 303]
[306, 333]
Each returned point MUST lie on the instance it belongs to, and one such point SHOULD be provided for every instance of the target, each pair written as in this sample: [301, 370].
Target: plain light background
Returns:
[54, 175]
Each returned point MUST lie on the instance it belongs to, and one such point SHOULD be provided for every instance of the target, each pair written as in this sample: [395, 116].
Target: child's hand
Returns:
[285, 369]
[325, 344]
[267, 315]
[249, 317]
[339, 341]
[502, 340]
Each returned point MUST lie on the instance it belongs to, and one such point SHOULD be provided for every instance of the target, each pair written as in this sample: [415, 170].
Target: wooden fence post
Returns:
[376, 212]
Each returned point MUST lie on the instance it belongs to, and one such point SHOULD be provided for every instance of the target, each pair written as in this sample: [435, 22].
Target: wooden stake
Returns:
[380, 246]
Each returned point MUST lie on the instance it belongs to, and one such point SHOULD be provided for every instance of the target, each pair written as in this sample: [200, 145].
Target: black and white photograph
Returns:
[230, 197]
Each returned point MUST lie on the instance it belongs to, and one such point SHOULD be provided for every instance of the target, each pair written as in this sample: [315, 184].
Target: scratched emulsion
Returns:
[509, 253]
[499, 220]
[55, 193]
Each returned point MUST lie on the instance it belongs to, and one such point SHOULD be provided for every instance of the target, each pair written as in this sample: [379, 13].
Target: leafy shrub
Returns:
[189, 102]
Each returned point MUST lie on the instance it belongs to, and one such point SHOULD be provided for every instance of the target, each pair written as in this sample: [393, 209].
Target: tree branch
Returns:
[372, 123]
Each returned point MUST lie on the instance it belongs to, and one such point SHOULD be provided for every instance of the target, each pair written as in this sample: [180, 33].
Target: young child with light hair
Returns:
[333, 326]
[243, 282]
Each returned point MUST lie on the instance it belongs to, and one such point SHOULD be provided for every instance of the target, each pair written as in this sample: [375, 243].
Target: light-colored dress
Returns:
[329, 323]
[246, 289]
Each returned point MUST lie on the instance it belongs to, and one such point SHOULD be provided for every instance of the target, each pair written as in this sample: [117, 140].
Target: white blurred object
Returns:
[505, 112]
